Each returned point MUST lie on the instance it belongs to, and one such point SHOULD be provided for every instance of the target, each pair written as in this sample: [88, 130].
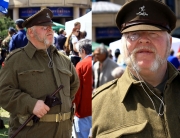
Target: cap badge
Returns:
[142, 11]
[47, 15]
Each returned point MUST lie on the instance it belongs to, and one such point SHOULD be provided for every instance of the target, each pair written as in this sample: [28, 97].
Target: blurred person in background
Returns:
[173, 59]
[19, 39]
[6, 41]
[178, 56]
[82, 34]
[61, 39]
[116, 55]
[4, 53]
[83, 112]
[75, 34]
[70, 42]
[104, 66]
[109, 53]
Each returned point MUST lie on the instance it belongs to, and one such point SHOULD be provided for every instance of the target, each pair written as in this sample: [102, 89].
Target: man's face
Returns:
[44, 34]
[78, 27]
[99, 56]
[148, 49]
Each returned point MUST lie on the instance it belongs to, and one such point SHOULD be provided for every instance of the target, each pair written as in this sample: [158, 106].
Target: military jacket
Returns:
[122, 109]
[26, 77]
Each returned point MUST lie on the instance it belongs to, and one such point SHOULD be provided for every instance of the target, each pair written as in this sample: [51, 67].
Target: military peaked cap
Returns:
[19, 21]
[11, 29]
[41, 18]
[137, 15]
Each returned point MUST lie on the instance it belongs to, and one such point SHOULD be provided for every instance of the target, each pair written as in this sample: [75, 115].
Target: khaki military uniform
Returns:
[122, 109]
[25, 78]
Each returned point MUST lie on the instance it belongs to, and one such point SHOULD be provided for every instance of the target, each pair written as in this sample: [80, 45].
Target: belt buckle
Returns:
[58, 117]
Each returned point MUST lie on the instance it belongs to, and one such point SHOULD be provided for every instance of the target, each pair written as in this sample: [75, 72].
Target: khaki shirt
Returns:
[122, 109]
[26, 77]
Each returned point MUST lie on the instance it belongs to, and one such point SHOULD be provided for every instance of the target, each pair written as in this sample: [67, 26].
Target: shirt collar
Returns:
[30, 49]
[127, 81]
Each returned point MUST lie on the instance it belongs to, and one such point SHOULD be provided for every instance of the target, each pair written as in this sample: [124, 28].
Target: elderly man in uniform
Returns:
[144, 102]
[30, 74]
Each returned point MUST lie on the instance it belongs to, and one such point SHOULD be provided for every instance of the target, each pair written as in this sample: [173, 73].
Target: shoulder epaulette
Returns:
[12, 53]
[103, 87]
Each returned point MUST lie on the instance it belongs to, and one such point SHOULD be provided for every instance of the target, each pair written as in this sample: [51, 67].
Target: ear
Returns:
[170, 42]
[30, 32]
[83, 51]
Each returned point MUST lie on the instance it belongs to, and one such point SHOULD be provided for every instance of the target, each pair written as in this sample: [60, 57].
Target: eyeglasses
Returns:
[133, 36]
[46, 27]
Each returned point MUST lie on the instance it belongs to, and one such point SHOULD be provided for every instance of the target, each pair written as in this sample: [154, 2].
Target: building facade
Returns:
[104, 28]
[63, 10]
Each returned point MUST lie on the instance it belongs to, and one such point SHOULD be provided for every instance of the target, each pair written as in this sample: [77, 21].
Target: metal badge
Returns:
[47, 15]
[142, 11]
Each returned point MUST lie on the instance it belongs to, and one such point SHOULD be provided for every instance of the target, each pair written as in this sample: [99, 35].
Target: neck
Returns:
[152, 77]
[20, 29]
[40, 45]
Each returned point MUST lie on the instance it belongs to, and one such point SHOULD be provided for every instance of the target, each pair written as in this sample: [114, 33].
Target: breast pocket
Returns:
[30, 80]
[65, 77]
[131, 131]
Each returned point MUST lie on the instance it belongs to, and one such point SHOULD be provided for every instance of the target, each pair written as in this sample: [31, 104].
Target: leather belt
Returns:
[56, 117]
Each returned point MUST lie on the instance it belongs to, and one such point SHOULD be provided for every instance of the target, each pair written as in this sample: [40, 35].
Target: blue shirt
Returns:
[174, 60]
[18, 40]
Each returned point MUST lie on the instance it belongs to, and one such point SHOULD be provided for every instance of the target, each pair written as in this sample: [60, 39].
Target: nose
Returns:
[49, 28]
[144, 38]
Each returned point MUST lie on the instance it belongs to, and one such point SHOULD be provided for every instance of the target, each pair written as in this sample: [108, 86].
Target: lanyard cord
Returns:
[50, 64]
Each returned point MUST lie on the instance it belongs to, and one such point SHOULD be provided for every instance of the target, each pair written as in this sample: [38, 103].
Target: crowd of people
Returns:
[132, 90]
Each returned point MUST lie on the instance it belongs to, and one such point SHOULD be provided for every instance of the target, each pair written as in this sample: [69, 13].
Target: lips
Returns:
[144, 51]
[49, 34]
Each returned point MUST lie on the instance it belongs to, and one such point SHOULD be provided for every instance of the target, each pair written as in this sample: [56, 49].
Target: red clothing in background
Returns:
[84, 93]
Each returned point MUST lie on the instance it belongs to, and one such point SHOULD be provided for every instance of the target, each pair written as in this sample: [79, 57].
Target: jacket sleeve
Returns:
[79, 92]
[74, 82]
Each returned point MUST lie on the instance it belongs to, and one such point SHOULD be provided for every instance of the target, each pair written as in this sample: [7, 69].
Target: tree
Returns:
[5, 23]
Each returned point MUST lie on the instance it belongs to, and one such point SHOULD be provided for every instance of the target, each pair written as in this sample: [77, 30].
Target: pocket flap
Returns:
[120, 131]
[30, 71]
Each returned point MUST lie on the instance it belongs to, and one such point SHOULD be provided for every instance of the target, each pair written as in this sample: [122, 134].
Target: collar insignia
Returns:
[142, 11]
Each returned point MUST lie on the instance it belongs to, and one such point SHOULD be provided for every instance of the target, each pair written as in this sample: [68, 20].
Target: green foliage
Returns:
[5, 23]
[5, 117]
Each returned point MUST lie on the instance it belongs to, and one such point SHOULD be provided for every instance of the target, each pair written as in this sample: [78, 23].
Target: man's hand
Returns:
[40, 109]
